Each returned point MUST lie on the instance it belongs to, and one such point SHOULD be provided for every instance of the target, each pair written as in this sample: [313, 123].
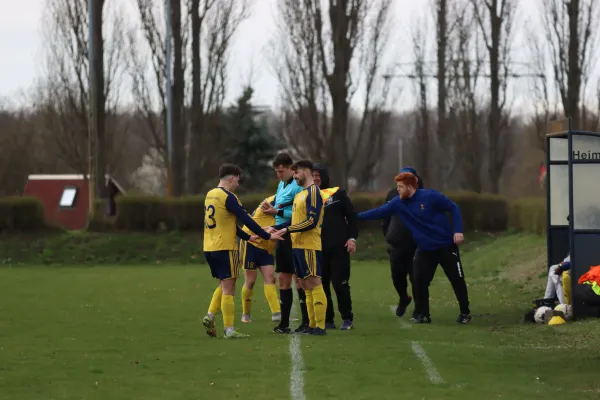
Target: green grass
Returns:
[94, 248]
[135, 333]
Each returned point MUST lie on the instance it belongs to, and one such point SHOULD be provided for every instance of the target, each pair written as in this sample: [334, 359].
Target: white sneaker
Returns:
[276, 317]
[246, 318]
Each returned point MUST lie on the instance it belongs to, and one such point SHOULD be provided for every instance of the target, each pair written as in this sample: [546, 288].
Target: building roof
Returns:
[71, 177]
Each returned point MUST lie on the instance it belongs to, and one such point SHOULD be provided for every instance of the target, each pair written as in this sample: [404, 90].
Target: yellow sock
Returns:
[246, 300]
[310, 307]
[566, 283]
[320, 305]
[272, 298]
[228, 309]
[215, 303]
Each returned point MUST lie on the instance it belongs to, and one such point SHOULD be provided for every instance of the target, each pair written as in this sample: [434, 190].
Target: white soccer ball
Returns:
[539, 314]
[565, 309]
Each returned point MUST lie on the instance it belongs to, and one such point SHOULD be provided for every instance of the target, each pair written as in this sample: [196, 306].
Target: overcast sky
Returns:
[21, 45]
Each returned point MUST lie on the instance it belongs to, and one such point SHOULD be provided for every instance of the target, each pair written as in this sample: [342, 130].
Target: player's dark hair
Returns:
[229, 169]
[283, 160]
[305, 164]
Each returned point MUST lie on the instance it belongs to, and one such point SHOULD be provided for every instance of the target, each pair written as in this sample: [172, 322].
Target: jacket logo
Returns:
[422, 207]
[329, 201]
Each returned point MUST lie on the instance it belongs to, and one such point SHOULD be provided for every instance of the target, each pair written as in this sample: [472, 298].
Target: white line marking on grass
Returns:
[297, 374]
[434, 376]
[403, 323]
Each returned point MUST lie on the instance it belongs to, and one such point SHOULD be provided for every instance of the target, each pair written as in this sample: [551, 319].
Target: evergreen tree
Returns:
[253, 147]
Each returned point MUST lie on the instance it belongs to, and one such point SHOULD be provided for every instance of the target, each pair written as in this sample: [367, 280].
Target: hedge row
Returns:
[528, 215]
[481, 212]
[144, 213]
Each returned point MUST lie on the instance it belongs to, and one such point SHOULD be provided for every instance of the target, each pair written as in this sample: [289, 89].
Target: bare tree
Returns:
[442, 34]
[318, 74]
[423, 147]
[213, 24]
[466, 69]
[495, 20]
[572, 37]
[63, 97]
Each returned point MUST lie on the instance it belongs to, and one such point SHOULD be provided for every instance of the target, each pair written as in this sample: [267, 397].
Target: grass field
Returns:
[135, 333]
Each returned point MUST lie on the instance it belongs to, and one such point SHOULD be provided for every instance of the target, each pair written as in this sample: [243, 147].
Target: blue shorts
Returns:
[307, 263]
[224, 264]
[253, 257]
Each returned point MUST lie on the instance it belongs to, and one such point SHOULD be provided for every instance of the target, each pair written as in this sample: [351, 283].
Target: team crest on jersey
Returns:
[422, 207]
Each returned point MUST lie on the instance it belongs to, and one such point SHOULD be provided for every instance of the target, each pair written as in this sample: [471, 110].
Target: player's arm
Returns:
[234, 207]
[241, 234]
[443, 203]
[349, 213]
[385, 211]
[314, 207]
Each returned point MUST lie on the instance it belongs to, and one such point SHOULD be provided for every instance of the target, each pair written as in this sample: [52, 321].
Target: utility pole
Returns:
[169, 89]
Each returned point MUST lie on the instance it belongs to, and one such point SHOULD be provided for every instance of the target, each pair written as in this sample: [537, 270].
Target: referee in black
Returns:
[402, 248]
[338, 237]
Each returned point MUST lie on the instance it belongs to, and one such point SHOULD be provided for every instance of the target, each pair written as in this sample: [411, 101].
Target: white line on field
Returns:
[434, 376]
[403, 323]
[297, 374]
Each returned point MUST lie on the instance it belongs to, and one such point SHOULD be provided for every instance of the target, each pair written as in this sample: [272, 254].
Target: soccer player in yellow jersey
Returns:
[259, 256]
[222, 208]
[305, 230]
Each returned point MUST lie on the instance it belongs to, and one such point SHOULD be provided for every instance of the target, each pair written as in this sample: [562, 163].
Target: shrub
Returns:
[528, 215]
[22, 214]
[147, 213]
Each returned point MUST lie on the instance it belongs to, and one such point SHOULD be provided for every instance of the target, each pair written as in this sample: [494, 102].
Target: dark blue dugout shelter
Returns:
[573, 199]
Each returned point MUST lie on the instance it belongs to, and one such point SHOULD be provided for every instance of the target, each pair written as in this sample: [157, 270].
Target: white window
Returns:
[68, 197]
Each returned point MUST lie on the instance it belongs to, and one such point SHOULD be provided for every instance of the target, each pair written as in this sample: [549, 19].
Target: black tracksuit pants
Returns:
[336, 271]
[425, 264]
[401, 265]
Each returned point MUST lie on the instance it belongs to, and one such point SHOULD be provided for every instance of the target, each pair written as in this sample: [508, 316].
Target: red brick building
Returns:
[65, 197]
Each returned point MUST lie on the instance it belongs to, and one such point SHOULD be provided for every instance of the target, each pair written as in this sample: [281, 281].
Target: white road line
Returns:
[403, 323]
[434, 376]
[297, 374]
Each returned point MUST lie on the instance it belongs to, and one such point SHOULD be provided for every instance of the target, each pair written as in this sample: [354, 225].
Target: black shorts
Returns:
[253, 257]
[284, 260]
[224, 264]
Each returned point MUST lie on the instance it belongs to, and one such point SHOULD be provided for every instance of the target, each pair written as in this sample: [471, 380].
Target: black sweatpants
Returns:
[425, 264]
[336, 270]
[401, 265]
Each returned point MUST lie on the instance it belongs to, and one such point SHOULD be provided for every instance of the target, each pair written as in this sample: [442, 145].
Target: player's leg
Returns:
[265, 263]
[284, 266]
[425, 264]
[310, 269]
[215, 304]
[401, 261]
[341, 284]
[326, 280]
[303, 308]
[449, 259]
[247, 259]
[228, 284]
[247, 293]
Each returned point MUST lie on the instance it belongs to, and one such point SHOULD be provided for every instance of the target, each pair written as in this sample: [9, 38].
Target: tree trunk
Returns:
[442, 133]
[97, 106]
[193, 181]
[574, 71]
[178, 102]
[495, 155]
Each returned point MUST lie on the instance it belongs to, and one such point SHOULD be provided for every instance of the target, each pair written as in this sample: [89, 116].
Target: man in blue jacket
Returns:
[424, 213]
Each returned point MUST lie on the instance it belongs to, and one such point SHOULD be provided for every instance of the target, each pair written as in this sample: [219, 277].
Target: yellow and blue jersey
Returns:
[221, 211]
[263, 220]
[307, 218]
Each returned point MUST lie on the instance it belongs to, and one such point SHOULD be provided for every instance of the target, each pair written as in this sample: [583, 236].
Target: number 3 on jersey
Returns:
[209, 217]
